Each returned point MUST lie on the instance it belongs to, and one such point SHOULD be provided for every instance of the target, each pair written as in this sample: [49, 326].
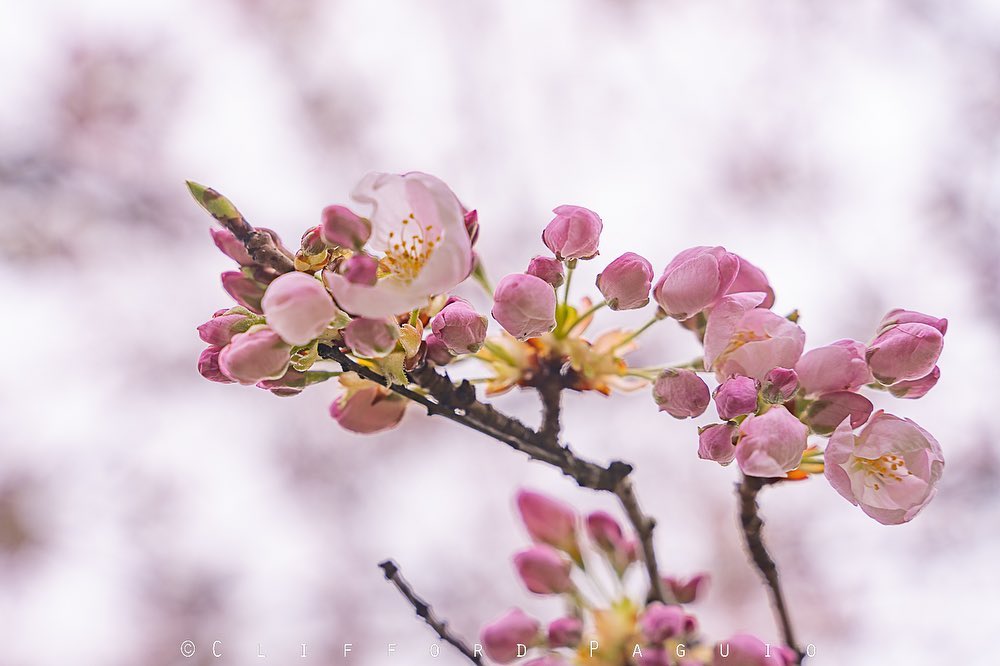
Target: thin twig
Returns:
[424, 611]
[644, 526]
[550, 388]
[752, 525]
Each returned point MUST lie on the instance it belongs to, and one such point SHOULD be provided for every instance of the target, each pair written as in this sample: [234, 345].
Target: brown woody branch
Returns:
[425, 612]
[752, 524]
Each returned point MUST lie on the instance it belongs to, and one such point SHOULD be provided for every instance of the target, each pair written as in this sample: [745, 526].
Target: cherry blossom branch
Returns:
[425, 612]
[752, 524]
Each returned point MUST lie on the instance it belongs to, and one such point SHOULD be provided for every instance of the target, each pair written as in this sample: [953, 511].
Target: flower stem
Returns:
[570, 266]
[636, 333]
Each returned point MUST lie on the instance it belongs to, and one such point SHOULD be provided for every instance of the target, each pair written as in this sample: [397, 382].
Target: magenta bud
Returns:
[543, 570]
[735, 397]
[245, 291]
[254, 356]
[696, 279]
[221, 328]
[916, 388]
[371, 338]
[525, 305]
[607, 535]
[626, 281]
[298, 307]
[472, 225]
[368, 410]
[771, 444]
[900, 316]
[718, 442]
[574, 233]
[509, 637]
[548, 521]
[830, 409]
[686, 591]
[779, 385]
[565, 632]
[660, 622]
[437, 351]
[361, 269]
[312, 241]
[904, 352]
[208, 366]
[548, 269]
[231, 246]
[681, 393]
[342, 227]
[840, 366]
[461, 328]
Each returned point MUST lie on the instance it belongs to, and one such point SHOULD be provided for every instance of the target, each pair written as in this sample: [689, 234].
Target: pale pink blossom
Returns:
[548, 520]
[460, 327]
[543, 570]
[342, 227]
[298, 307]
[695, 280]
[574, 233]
[890, 469]
[565, 632]
[625, 282]
[830, 409]
[372, 338]
[779, 385]
[900, 316]
[750, 278]
[718, 442]
[548, 269]
[904, 352]
[256, 355]
[208, 366]
[509, 637]
[418, 230]
[735, 397]
[524, 305]
[771, 444]
[839, 366]
[660, 622]
[916, 388]
[366, 407]
[681, 393]
[742, 339]
[245, 290]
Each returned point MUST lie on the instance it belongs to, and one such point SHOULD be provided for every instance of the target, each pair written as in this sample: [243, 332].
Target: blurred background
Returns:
[850, 149]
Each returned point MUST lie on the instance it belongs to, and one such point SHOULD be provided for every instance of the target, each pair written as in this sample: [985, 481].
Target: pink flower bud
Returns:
[371, 338]
[747, 650]
[625, 282]
[342, 227]
[660, 622]
[830, 409]
[231, 246]
[472, 225]
[460, 327]
[543, 570]
[779, 385]
[208, 366]
[900, 316]
[681, 393]
[245, 291]
[771, 444]
[840, 366]
[904, 352]
[735, 397]
[890, 469]
[525, 305]
[548, 521]
[696, 279]
[718, 442]
[750, 278]
[298, 307]
[437, 351]
[361, 269]
[548, 269]
[916, 388]
[312, 241]
[565, 632]
[574, 233]
[368, 410]
[607, 535]
[686, 591]
[254, 356]
[221, 328]
[510, 636]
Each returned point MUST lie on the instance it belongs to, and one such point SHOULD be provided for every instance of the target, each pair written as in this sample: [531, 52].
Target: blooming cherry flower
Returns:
[418, 230]
[742, 339]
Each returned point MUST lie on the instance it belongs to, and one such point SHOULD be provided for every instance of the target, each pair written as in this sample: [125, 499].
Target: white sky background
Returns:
[850, 149]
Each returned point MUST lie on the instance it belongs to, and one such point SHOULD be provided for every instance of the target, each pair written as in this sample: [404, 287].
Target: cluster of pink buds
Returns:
[587, 561]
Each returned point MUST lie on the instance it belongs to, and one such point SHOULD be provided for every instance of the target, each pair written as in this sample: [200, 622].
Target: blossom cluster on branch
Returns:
[367, 299]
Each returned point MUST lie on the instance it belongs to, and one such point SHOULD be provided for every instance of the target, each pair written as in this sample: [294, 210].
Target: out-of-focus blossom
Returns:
[245, 290]
[254, 356]
[221, 328]
[890, 469]
[231, 246]
[360, 268]
[660, 622]
[908, 350]
[839, 366]
[543, 570]
[298, 307]
[509, 637]
[565, 632]
[549, 521]
[747, 650]
[574, 233]
[695, 280]
[625, 282]
[418, 228]
[750, 278]
[372, 338]
[525, 305]
[779, 385]
[735, 397]
[681, 393]
[344, 228]
[460, 327]
[742, 339]
[605, 532]
[830, 409]
[771, 444]
[686, 591]
[718, 442]
[208, 366]
[655, 656]
[366, 407]
[548, 269]
[916, 388]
